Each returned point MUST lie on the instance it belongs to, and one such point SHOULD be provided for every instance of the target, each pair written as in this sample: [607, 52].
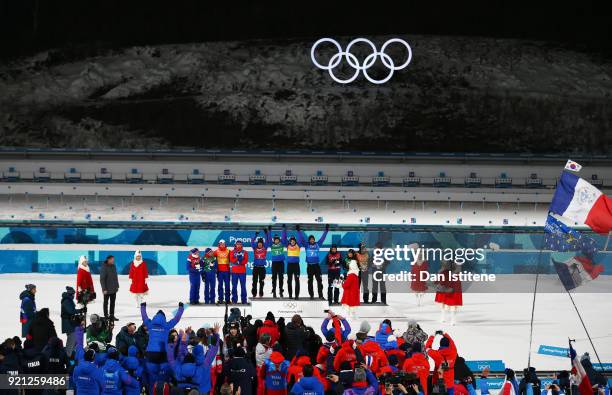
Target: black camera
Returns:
[106, 323]
[77, 318]
[405, 378]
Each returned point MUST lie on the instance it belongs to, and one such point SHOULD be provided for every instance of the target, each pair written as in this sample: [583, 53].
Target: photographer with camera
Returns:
[364, 383]
[100, 329]
[71, 318]
[401, 383]
[438, 385]
[418, 364]
[444, 358]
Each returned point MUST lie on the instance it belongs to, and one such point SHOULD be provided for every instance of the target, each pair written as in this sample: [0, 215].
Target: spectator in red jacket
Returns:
[418, 364]
[295, 371]
[374, 356]
[346, 354]
[445, 354]
[269, 327]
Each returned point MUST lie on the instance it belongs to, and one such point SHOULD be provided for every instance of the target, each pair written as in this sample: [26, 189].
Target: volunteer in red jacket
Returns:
[350, 294]
[139, 274]
[417, 285]
[453, 295]
[84, 280]
[444, 357]
[239, 258]
[223, 272]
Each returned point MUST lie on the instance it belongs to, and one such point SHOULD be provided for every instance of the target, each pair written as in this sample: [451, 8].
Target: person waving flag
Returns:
[581, 202]
[580, 377]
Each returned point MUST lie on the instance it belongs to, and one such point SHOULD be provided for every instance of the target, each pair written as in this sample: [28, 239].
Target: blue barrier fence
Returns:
[166, 250]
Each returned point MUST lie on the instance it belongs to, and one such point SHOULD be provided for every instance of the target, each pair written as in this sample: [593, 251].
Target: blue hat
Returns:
[194, 250]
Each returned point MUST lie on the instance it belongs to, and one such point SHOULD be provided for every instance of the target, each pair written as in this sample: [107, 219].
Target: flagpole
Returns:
[535, 291]
[585, 330]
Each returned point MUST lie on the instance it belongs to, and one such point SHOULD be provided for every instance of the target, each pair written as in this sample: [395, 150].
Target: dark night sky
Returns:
[30, 25]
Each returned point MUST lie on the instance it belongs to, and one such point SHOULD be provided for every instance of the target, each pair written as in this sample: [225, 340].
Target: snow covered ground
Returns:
[489, 326]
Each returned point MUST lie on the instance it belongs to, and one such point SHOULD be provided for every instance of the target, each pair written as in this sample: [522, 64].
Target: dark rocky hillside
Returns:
[458, 94]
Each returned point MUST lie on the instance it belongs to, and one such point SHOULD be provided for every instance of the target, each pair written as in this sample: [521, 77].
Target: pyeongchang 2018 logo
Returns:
[357, 63]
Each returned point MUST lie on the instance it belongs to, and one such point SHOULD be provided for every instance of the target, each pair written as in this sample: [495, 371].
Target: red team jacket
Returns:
[239, 266]
[419, 365]
[271, 329]
[444, 355]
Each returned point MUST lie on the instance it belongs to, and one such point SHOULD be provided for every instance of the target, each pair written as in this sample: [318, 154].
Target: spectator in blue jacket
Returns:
[28, 308]
[382, 334]
[308, 384]
[159, 328]
[114, 377]
[484, 381]
[186, 372]
[204, 360]
[313, 268]
[338, 323]
[134, 366]
[86, 375]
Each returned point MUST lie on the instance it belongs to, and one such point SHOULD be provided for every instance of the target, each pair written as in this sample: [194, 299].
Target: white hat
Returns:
[353, 268]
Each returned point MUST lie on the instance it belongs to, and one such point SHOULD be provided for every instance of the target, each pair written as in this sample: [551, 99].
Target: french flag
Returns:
[582, 380]
[581, 202]
[577, 271]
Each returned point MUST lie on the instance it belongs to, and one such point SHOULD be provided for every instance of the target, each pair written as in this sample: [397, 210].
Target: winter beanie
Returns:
[365, 327]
